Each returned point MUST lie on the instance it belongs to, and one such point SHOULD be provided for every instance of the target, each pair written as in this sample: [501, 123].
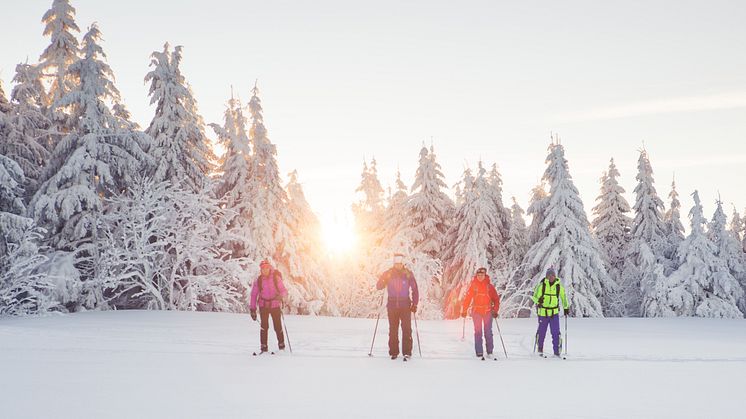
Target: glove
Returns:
[463, 314]
[567, 311]
[494, 314]
[541, 301]
[253, 315]
[414, 308]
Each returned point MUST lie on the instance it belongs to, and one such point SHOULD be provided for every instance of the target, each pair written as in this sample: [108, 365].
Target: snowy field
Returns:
[198, 365]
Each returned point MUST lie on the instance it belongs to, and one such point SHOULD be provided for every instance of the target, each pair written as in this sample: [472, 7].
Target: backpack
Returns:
[274, 280]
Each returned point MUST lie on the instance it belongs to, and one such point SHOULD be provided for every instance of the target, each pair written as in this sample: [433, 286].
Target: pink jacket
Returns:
[270, 297]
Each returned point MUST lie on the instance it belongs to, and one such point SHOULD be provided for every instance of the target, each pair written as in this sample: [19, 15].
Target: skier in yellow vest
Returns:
[547, 297]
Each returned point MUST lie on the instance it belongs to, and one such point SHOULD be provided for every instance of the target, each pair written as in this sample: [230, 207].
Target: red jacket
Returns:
[484, 295]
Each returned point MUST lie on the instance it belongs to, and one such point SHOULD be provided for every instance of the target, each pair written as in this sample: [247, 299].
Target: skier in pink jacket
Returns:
[268, 292]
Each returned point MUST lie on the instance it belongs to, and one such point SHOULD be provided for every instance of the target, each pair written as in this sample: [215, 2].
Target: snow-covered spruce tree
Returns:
[515, 285]
[648, 228]
[474, 232]
[369, 210]
[304, 257]
[743, 241]
[517, 238]
[181, 150]
[702, 286]
[567, 243]
[498, 251]
[448, 254]
[234, 181]
[271, 221]
[674, 228]
[611, 226]
[94, 160]
[60, 26]
[537, 207]
[429, 208]
[27, 135]
[396, 215]
[5, 109]
[24, 288]
[738, 229]
[728, 249]
[270, 215]
[654, 298]
[4, 104]
[11, 202]
[736, 225]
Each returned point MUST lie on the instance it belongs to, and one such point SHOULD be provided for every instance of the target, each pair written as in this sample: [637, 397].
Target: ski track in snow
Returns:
[141, 364]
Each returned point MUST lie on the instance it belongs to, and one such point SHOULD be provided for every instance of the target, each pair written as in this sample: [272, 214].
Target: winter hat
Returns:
[264, 263]
[398, 258]
[551, 272]
[482, 270]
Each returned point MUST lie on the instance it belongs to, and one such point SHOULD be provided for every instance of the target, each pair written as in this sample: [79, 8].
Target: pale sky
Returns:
[342, 81]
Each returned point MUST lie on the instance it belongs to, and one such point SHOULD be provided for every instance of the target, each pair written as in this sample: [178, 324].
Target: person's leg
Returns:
[393, 332]
[477, 319]
[277, 324]
[554, 325]
[487, 319]
[543, 323]
[406, 331]
[264, 327]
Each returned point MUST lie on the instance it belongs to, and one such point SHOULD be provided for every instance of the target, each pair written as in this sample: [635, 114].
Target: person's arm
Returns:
[495, 297]
[281, 285]
[563, 297]
[537, 293]
[254, 294]
[415, 290]
[467, 298]
[383, 280]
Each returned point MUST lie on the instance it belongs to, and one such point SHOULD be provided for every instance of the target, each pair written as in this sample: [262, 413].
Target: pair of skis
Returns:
[563, 344]
[266, 353]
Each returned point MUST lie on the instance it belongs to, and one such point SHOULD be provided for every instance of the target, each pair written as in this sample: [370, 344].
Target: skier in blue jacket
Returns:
[399, 281]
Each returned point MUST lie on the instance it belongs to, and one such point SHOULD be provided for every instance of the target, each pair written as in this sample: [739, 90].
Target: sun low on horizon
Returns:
[338, 235]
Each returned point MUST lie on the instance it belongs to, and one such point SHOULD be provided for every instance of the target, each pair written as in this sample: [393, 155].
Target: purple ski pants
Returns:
[553, 322]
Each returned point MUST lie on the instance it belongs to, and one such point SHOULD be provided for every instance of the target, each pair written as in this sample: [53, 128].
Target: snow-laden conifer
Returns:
[181, 149]
[648, 228]
[611, 226]
[567, 244]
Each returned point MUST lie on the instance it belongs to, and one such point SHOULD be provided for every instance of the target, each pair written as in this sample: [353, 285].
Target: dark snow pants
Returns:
[554, 324]
[482, 322]
[403, 316]
[264, 314]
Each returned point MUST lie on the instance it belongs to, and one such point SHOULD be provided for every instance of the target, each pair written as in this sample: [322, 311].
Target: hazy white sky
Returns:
[345, 80]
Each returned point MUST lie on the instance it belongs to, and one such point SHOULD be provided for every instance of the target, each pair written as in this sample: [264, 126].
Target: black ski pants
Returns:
[403, 316]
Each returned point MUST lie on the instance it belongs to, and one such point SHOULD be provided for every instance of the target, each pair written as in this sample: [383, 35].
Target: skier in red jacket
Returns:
[486, 306]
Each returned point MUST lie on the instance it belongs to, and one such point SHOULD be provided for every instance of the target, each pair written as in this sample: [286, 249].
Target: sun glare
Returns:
[338, 235]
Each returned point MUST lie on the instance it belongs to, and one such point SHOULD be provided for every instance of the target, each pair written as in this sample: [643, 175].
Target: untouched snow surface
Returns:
[140, 364]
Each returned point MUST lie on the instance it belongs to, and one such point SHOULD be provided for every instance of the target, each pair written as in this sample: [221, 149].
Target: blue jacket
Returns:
[398, 283]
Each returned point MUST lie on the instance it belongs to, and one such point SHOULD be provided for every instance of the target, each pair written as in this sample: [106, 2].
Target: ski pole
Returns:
[565, 335]
[287, 336]
[417, 331]
[501, 337]
[463, 330]
[536, 336]
[375, 331]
